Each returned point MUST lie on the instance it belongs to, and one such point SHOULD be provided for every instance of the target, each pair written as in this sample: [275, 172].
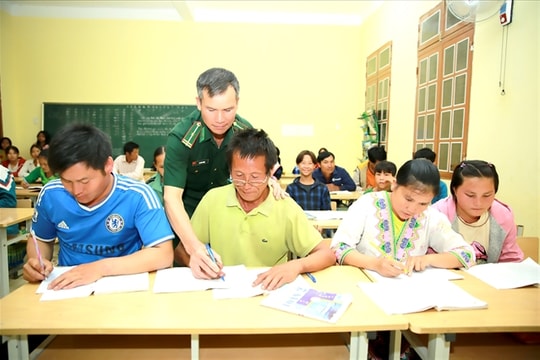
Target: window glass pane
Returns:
[451, 20]
[445, 124]
[443, 157]
[430, 131]
[383, 88]
[420, 128]
[423, 71]
[457, 126]
[432, 92]
[383, 110]
[384, 58]
[462, 54]
[447, 92]
[449, 60]
[461, 81]
[371, 67]
[455, 156]
[383, 132]
[433, 60]
[430, 27]
[370, 93]
[422, 100]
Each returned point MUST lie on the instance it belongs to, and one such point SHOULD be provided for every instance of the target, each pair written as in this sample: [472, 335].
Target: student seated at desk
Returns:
[483, 221]
[8, 197]
[335, 177]
[156, 181]
[42, 173]
[105, 224]
[385, 172]
[31, 164]
[131, 164]
[245, 224]
[390, 232]
[309, 193]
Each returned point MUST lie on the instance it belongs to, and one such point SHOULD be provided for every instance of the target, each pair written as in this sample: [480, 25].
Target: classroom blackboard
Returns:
[146, 124]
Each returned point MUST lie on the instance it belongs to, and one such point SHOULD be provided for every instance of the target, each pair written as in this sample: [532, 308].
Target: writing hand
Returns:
[203, 267]
[34, 272]
[389, 267]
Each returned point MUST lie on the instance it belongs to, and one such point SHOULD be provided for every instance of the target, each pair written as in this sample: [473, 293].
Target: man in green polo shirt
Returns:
[246, 225]
[195, 161]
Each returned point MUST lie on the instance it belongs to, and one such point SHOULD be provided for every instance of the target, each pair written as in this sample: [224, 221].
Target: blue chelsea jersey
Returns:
[129, 218]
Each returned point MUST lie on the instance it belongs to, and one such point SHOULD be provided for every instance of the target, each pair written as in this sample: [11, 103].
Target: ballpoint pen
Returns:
[311, 277]
[386, 256]
[211, 254]
[39, 254]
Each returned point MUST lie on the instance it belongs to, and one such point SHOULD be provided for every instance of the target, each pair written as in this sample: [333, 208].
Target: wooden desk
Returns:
[325, 219]
[345, 195]
[10, 217]
[512, 310]
[193, 313]
[27, 193]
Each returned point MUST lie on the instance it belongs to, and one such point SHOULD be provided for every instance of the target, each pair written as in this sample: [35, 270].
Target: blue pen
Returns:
[311, 277]
[211, 254]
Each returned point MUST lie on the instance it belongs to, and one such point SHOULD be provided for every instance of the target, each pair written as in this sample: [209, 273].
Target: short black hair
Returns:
[323, 155]
[386, 167]
[75, 143]
[421, 174]
[473, 168]
[250, 143]
[425, 153]
[376, 153]
[130, 146]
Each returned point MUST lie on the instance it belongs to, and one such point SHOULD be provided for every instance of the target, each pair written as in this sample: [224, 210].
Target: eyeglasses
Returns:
[252, 182]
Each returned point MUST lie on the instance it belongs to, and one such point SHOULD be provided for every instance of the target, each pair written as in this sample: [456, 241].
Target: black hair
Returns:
[376, 153]
[386, 167]
[250, 143]
[130, 146]
[6, 138]
[12, 147]
[420, 174]
[77, 143]
[323, 155]
[473, 168]
[323, 149]
[300, 156]
[216, 81]
[425, 153]
[47, 137]
[159, 151]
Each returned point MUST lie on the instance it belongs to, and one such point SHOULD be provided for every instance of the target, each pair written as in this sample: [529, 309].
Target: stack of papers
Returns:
[403, 297]
[105, 285]
[508, 275]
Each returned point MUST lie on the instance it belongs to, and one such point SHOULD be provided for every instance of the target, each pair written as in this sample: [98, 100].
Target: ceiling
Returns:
[320, 12]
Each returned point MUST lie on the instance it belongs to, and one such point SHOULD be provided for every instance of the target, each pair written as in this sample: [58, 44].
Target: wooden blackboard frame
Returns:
[146, 124]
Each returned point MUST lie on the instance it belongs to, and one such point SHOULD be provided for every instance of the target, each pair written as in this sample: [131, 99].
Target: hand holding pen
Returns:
[211, 254]
[388, 265]
[36, 269]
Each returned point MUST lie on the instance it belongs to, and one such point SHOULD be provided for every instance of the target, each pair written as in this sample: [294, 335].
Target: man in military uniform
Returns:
[195, 161]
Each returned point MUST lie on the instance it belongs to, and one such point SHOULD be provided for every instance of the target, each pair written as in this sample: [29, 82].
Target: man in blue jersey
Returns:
[106, 224]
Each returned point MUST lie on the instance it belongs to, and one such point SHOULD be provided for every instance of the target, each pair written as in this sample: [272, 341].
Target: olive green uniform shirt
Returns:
[194, 162]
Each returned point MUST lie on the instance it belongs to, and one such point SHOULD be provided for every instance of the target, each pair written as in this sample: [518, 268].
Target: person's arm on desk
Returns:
[197, 257]
[319, 258]
[146, 259]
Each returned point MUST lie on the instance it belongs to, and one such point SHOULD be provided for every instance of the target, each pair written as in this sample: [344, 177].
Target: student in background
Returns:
[42, 139]
[335, 177]
[31, 164]
[156, 181]
[131, 164]
[385, 172]
[427, 153]
[195, 161]
[8, 197]
[412, 227]
[42, 173]
[105, 224]
[309, 193]
[364, 174]
[248, 203]
[14, 161]
[485, 222]
[4, 143]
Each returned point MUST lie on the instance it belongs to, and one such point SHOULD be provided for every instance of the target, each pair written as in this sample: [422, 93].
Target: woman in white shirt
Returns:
[32, 163]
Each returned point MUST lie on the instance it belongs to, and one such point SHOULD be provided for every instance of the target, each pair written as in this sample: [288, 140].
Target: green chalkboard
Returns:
[146, 124]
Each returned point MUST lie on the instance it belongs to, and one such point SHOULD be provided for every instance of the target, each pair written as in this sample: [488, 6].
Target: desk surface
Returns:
[22, 193]
[508, 310]
[10, 216]
[187, 313]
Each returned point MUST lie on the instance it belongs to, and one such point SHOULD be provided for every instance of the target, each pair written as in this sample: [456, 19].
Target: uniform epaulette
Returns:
[239, 125]
[192, 134]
